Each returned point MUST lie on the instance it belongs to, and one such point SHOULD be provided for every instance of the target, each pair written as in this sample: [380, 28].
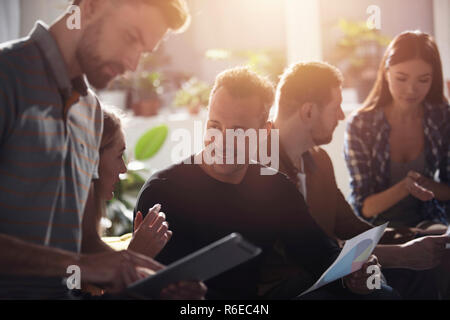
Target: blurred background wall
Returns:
[269, 34]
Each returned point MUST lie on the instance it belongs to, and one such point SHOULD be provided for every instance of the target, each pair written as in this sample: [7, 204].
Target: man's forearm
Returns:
[379, 202]
[389, 256]
[95, 245]
[22, 258]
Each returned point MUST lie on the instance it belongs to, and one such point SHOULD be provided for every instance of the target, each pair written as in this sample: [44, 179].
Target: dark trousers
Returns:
[413, 285]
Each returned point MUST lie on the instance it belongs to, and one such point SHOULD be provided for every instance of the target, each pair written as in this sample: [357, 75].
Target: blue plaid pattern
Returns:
[367, 154]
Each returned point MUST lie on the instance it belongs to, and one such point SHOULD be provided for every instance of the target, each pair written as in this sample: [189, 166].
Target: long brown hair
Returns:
[406, 46]
[112, 126]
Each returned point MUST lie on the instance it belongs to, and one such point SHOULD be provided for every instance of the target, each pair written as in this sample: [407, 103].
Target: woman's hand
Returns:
[441, 191]
[151, 233]
[416, 185]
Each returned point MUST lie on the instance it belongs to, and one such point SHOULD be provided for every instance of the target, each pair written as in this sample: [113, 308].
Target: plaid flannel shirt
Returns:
[366, 150]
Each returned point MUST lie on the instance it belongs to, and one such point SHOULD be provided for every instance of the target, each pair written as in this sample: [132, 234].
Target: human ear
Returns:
[306, 111]
[91, 8]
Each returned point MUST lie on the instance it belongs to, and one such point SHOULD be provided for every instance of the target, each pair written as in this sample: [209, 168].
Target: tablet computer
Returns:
[201, 265]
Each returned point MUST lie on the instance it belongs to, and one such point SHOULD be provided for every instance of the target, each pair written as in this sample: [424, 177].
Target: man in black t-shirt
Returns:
[211, 195]
[201, 210]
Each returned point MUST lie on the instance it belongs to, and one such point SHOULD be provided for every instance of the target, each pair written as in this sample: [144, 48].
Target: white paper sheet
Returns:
[354, 254]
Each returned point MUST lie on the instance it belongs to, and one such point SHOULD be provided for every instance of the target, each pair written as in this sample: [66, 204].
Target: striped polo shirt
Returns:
[50, 132]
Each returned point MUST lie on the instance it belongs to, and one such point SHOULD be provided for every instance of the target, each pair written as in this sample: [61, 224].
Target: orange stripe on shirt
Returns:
[37, 133]
[82, 156]
[35, 149]
[40, 180]
[53, 240]
[89, 175]
[90, 146]
[24, 45]
[38, 118]
[34, 208]
[85, 104]
[90, 119]
[40, 194]
[40, 149]
[39, 223]
[90, 132]
[33, 164]
[22, 69]
[11, 109]
[55, 104]
[3, 94]
[28, 85]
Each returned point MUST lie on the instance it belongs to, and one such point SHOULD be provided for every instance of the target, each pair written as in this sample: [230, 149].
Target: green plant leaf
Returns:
[150, 142]
[193, 92]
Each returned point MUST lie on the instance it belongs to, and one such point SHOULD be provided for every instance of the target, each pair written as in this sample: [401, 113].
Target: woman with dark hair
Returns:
[397, 144]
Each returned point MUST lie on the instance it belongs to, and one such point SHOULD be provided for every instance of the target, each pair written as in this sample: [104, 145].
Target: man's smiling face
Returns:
[228, 112]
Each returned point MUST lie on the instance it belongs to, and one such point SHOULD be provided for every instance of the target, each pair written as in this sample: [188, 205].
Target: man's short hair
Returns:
[176, 12]
[241, 82]
[306, 82]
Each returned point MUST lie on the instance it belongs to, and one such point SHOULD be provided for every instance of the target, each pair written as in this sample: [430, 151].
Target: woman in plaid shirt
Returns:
[397, 144]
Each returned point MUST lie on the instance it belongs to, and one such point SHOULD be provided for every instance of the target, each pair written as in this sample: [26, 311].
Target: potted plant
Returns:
[145, 86]
[145, 93]
[267, 62]
[358, 54]
[194, 95]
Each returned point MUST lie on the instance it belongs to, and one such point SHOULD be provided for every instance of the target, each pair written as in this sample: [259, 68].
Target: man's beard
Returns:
[89, 60]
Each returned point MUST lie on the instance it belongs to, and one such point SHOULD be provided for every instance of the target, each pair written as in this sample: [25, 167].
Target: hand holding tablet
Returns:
[201, 265]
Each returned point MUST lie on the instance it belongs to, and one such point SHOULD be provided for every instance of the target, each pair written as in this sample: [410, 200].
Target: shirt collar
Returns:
[286, 165]
[53, 56]
[288, 168]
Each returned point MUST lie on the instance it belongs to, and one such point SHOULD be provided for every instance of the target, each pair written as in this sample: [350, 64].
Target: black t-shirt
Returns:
[264, 209]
